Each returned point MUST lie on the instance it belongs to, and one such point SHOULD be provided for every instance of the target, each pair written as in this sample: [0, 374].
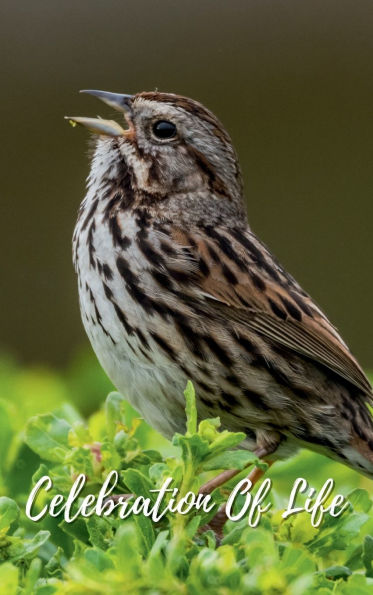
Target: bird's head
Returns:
[172, 147]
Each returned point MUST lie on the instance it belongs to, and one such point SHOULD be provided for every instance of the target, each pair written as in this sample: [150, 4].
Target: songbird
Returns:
[174, 285]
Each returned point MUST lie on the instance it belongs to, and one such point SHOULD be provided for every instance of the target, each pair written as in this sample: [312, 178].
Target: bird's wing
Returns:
[242, 282]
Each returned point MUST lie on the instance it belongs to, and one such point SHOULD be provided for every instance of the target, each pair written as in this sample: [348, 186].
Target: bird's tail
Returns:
[359, 453]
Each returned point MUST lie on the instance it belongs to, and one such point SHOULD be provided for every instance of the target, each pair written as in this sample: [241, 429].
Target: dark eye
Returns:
[164, 129]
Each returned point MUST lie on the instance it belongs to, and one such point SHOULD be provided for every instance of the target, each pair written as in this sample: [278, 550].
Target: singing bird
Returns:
[174, 285]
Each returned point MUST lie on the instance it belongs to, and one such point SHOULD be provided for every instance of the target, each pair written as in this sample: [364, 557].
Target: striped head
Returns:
[178, 156]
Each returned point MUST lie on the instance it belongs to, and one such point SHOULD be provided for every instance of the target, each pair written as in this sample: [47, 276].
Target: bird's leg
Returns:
[225, 476]
[115, 498]
[218, 521]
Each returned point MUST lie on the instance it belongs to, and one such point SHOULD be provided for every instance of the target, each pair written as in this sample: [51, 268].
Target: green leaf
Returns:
[77, 529]
[47, 435]
[9, 512]
[113, 411]
[96, 529]
[368, 555]
[357, 584]
[360, 500]
[68, 412]
[55, 564]
[231, 459]
[296, 562]
[9, 578]
[126, 544]
[155, 563]
[192, 527]
[352, 524]
[218, 441]
[99, 559]
[160, 543]
[226, 440]
[336, 572]
[194, 448]
[190, 409]
[208, 428]
[29, 547]
[301, 529]
[32, 576]
[145, 532]
[138, 483]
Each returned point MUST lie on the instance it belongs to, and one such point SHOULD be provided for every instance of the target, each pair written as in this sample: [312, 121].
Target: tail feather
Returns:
[359, 455]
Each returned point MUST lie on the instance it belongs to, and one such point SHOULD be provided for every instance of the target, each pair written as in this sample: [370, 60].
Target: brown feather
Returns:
[313, 336]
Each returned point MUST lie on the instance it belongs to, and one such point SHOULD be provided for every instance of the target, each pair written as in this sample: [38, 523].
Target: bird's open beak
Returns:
[121, 103]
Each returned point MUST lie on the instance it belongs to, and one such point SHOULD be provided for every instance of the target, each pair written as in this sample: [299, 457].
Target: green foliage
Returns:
[107, 554]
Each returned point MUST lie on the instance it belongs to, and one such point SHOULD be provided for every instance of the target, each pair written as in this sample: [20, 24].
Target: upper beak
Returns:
[117, 101]
[122, 103]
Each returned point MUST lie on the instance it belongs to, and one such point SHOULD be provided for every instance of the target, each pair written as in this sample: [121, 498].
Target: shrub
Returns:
[135, 555]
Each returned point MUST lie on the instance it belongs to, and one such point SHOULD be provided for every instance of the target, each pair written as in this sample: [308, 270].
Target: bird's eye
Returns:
[164, 129]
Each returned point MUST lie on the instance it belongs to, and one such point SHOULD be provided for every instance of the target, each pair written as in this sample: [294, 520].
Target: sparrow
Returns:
[174, 285]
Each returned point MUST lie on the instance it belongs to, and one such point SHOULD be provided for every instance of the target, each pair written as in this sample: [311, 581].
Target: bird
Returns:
[175, 286]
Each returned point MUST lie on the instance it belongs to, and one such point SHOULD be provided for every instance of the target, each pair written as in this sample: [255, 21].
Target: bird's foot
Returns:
[216, 524]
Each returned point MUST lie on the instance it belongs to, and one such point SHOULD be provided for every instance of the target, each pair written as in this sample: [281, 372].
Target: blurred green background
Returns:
[293, 83]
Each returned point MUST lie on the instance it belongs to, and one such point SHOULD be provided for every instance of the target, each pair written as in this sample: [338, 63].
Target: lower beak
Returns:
[98, 125]
[121, 103]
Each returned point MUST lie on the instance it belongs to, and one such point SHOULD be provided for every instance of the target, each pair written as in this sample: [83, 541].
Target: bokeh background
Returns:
[291, 80]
